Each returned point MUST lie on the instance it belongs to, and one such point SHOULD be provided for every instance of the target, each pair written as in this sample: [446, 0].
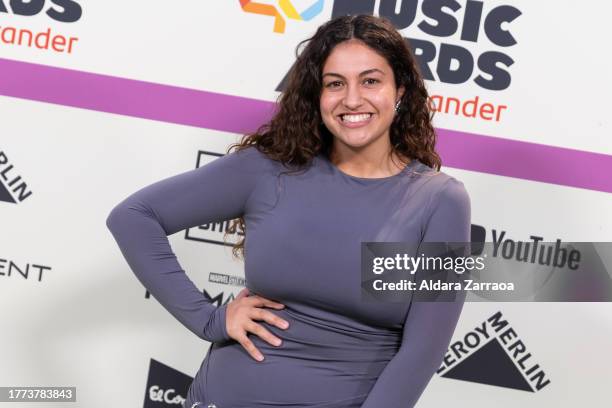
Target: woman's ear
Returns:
[400, 92]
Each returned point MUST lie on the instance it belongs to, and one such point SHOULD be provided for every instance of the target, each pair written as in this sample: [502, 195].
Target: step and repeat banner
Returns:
[99, 99]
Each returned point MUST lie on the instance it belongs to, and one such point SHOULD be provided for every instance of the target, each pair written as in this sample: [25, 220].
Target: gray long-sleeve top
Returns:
[303, 239]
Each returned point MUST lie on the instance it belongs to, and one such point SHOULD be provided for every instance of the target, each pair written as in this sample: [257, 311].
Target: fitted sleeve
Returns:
[140, 224]
[429, 326]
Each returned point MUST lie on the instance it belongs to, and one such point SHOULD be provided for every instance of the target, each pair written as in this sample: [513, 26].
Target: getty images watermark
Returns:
[525, 271]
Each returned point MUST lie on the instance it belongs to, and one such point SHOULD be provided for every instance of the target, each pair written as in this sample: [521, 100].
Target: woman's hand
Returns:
[240, 316]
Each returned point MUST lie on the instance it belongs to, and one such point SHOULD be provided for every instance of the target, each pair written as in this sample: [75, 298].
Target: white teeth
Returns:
[356, 118]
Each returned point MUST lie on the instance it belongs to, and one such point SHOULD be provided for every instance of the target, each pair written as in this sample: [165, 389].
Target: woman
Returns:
[348, 158]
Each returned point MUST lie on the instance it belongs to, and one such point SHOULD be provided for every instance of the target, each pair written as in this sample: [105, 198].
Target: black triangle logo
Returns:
[490, 365]
[5, 195]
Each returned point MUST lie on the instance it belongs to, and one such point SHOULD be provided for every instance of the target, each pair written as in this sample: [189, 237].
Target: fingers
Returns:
[262, 332]
[261, 301]
[240, 320]
[250, 347]
[269, 317]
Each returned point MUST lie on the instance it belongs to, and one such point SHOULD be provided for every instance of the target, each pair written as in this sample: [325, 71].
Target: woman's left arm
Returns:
[429, 326]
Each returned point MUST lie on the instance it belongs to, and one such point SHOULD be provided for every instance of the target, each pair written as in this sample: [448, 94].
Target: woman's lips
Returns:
[355, 124]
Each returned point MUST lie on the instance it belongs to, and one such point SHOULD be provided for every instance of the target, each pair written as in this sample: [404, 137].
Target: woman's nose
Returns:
[353, 98]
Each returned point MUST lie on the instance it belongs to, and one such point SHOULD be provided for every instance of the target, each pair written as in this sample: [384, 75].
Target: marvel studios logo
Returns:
[226, 279]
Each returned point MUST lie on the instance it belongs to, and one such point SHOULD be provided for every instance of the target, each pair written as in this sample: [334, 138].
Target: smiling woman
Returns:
[309, 187]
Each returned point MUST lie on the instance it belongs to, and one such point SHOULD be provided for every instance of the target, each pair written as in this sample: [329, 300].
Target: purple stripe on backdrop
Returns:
[524, 160]
[486, 154]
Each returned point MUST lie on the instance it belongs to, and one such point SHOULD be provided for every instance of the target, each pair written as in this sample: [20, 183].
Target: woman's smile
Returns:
[355, 121]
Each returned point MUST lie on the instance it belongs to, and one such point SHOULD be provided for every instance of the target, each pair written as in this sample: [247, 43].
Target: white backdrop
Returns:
[80, 149]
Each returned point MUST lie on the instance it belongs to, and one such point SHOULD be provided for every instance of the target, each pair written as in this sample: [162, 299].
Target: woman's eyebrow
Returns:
[366, 72]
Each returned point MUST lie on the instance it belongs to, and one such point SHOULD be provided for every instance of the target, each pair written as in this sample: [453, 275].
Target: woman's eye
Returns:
[335, 84]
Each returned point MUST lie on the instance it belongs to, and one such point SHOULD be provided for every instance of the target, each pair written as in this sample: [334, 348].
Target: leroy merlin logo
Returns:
[13, 188]
[493, 354]
[285, 9]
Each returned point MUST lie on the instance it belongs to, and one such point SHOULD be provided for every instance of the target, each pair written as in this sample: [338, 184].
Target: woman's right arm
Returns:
[140, 224]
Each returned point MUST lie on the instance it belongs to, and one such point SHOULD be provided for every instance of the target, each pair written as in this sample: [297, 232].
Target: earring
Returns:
[397, 106]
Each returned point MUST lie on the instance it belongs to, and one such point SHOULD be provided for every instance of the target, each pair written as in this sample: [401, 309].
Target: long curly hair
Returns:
[296, 133]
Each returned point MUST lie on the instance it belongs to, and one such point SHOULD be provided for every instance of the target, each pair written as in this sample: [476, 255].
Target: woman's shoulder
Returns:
[440, 185]
[250, 159]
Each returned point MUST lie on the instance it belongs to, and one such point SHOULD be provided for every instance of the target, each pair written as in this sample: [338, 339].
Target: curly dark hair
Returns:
[296, 133]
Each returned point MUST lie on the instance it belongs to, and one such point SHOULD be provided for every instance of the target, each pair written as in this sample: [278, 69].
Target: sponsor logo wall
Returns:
[99, 99]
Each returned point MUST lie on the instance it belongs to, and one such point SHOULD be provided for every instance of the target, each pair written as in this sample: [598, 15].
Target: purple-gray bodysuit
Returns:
[303, 243]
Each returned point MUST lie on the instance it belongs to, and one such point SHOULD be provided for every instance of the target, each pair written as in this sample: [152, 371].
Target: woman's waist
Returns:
[329, 338]
[320, 363]
[289, 375]
[310, 339]
[325, 360]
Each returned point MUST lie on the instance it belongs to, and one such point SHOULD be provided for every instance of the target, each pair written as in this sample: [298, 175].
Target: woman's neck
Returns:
[369, 165]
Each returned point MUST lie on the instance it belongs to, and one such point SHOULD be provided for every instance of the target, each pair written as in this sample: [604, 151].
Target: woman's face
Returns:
[358, 95]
